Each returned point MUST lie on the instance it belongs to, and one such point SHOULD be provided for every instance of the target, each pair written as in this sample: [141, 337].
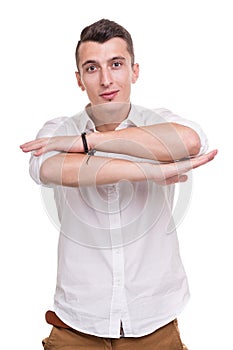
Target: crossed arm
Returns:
[163, 142]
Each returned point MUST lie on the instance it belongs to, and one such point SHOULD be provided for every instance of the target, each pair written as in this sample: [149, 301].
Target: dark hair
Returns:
[104, 30]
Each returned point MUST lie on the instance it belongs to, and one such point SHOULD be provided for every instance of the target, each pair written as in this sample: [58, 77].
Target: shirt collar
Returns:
[135, 118]
[85, 122]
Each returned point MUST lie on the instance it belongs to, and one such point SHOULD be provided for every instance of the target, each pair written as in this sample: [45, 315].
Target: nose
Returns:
[106, 77]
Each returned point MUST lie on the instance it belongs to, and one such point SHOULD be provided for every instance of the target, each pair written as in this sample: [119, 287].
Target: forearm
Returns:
[75, 170]
[162, 142]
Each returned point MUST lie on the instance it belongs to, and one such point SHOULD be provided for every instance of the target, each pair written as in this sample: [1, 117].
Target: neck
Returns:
[108, 116]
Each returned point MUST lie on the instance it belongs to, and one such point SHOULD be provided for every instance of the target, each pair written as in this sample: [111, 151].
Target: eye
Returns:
[117, 64]
[91, 69]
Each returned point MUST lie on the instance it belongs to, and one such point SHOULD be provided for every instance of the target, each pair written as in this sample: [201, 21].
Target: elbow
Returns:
[34, 170]
[193, 143]
[45, 173]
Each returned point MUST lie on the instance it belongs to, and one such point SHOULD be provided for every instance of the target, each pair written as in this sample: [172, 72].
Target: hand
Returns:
[72, 144]
[170, 173]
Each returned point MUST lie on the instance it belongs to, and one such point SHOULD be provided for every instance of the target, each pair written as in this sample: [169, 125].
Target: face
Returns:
[105, 71]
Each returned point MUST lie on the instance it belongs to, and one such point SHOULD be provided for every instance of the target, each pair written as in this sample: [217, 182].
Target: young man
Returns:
[120, 281]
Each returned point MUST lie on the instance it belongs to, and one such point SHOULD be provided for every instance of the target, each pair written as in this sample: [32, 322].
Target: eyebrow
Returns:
[111, 59]
[88, 62]
[117, 58]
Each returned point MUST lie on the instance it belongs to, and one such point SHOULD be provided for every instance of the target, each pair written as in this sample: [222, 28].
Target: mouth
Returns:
[109, 95]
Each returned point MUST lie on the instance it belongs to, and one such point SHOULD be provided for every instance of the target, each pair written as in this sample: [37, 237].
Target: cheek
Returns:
[90, 81]
[91, 89]
[124, 79]
[89, 85]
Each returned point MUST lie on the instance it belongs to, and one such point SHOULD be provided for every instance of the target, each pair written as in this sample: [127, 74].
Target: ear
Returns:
[79, 81]
[135, 73]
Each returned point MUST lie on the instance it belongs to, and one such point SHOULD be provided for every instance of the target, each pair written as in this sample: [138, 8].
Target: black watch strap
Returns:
[85, 146]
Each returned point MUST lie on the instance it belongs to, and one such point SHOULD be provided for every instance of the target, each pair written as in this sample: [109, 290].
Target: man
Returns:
[120, 281]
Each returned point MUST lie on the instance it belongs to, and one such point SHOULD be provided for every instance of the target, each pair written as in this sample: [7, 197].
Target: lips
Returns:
[109, 95]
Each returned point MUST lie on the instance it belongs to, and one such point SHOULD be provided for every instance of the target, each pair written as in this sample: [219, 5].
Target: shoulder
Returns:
[150, 116]
[60, 126]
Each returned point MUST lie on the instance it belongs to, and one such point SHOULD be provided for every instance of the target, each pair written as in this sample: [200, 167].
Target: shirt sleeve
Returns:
[168, 116]
[54, 127]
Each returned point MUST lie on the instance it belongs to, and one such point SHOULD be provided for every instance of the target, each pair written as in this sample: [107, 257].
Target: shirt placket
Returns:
[117, 260]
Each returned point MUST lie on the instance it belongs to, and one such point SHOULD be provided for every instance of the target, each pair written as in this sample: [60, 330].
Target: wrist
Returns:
[87, 142]
[147, 169]
[93, 140]
[84, 143]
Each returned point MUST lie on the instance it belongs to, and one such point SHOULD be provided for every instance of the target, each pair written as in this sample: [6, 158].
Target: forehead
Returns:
[91, 50]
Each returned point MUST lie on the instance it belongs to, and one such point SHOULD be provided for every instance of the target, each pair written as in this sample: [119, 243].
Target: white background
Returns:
[185, 56]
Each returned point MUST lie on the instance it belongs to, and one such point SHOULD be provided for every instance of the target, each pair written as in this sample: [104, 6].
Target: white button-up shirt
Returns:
[118, 263]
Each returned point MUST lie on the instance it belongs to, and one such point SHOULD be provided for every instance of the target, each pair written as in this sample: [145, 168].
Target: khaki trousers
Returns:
[165, 338]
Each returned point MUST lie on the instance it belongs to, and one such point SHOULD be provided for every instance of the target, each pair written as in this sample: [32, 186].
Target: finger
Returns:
[34, 145]
[36, 141]
[187, 165]
[39, 152]
[205, 158]
[29, 143]
[173, 179]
